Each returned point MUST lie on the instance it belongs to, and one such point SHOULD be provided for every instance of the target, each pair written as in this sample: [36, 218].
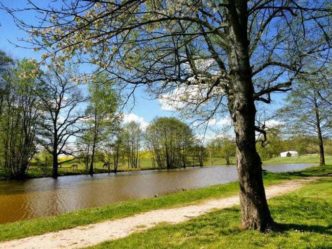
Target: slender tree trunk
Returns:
[168, 162]
[201, 157]
[87, 157]
[55, 164]
[254, 207]
[116, 159]
[91, 169]
[95, 133]
[227, 161]
[320, 136]
[136, 156]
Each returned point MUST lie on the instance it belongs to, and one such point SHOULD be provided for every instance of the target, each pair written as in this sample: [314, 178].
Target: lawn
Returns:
[309, 158]
[305, 218]
[86, 216]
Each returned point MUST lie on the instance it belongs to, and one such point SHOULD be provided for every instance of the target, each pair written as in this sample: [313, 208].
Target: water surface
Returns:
[46, 196]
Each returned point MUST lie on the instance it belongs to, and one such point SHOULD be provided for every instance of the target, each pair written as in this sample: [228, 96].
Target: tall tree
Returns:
[6, 66]
[234, 52]
[223, 147]
[170, 141]
[309, 108]
[61, 100]
[132, 138]
[18, 118]
[101, 114]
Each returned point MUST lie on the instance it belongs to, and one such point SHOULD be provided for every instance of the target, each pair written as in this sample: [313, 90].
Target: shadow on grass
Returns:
[325, 230]
[324, 171]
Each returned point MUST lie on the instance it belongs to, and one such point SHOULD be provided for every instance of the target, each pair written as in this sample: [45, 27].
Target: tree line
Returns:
[45, 111]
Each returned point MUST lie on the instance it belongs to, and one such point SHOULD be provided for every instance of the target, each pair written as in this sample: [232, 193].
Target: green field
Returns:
[310, 158]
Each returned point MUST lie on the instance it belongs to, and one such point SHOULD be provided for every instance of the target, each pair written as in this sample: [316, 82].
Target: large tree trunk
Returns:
[320, 136]
[254, 207]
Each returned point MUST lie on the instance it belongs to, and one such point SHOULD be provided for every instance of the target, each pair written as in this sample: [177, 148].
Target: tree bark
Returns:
[54, 151]
[55, 165]
[91, 168]
[228, 162]
[95, 134]
[320, 136]
[116, 158]
[254, 207]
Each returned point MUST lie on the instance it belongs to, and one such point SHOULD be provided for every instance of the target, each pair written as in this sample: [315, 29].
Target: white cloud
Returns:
[271, 123]
[129, 117]
[205, 138]
[176, 99]
[210, 135]
[212, 122]
[225, 121]
[181, 96]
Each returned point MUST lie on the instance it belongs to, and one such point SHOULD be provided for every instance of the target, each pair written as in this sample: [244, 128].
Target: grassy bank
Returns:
[310, 158]
[66, 168]
[147, 164]
[87, 216]
[305, 218]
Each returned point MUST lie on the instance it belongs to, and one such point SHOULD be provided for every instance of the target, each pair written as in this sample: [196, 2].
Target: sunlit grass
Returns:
[305, 218]
[310, 158]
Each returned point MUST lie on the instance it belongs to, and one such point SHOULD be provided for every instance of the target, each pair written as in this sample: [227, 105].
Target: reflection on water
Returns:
[46, 196]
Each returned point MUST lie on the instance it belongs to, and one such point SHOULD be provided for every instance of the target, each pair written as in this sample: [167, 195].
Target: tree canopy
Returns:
[171, 141]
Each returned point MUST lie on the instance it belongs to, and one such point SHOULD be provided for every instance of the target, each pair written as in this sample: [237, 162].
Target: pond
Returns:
[46, 196]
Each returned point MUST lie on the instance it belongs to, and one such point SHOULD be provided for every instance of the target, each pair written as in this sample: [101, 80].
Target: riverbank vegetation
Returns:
[36, 226]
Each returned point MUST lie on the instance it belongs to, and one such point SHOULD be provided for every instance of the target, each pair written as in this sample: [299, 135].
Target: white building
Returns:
[290, 153]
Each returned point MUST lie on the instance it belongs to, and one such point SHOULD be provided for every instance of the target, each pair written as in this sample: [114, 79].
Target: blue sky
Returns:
[145, 108]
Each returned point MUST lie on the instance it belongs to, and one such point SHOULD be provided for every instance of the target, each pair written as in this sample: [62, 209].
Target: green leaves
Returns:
[171, 141]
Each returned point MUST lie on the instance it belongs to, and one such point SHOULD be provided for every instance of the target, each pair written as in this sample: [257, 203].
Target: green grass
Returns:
[86, 216]
[215, 161]
[305, 218]
[310, 158]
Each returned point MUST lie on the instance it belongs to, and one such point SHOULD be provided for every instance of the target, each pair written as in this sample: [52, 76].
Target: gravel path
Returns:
[89, 235]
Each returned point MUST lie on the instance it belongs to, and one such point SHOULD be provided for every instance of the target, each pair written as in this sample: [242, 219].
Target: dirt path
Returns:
[93, 234]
